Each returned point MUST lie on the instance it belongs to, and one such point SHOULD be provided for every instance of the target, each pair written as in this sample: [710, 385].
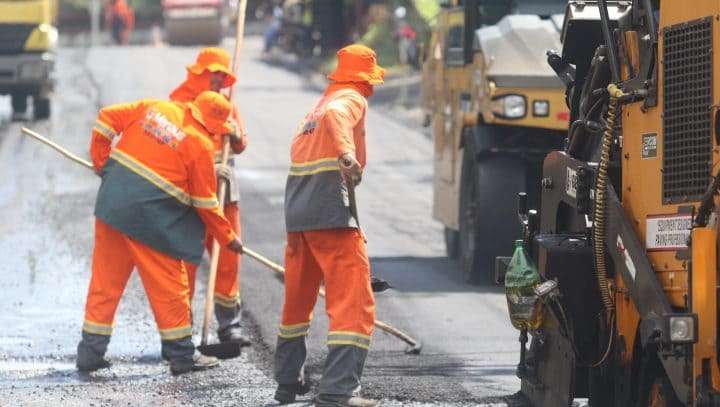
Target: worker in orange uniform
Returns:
[324, 243]
[211, 71]
[156, 198]
[120, 19]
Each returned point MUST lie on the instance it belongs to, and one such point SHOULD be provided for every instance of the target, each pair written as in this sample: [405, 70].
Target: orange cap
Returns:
[212, 109]
[358, 63]
[213, 60]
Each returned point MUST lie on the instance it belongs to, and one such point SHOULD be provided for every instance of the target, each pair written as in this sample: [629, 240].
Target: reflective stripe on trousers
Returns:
[339, 258]
[164, 279]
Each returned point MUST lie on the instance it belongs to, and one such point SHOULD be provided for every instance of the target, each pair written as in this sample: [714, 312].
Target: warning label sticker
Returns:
[649, 145]
[571, 183]
[667, 232]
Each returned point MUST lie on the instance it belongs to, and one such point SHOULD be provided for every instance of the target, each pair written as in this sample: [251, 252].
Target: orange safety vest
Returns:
[158, 182]
[315, 195]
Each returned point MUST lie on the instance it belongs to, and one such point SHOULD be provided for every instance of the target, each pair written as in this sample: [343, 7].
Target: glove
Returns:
[236, 246]
[224, 172]
[234, 137]
[238, 131]
[350, 169]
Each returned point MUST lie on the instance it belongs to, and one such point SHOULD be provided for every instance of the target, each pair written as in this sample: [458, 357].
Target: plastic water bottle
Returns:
[524, 307]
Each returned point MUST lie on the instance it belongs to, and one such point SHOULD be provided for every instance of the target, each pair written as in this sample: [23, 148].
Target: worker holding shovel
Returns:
[325, 244]
[211, 72]
[156, 198]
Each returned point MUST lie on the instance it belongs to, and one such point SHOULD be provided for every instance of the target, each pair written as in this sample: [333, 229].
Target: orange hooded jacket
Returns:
[315, 195]
[159, 181]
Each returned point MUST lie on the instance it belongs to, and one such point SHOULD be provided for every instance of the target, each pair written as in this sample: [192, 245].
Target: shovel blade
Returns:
[414, 350]
[223, 350]
[379, 285]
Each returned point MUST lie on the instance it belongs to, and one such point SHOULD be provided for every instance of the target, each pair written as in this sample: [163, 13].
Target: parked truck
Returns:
[495, 109]
[625, 240]
[28, 41]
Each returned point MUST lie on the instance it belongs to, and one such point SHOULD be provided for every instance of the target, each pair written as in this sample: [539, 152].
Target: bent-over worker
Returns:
[324, 243]
[211, 72]
[156, 198]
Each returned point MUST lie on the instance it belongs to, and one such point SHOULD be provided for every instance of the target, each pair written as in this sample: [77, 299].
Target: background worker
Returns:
[120, 20]
[324, 241]
[156, 198]
[211, 72]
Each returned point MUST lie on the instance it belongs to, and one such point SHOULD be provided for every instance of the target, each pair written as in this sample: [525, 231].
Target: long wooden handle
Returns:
[58, 148]
[215, 252]
[214, 258]
[281, 270]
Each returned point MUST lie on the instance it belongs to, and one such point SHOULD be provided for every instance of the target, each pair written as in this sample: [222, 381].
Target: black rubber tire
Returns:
[41, 107]
[19, 103]
[452, 243]
[601, 388]
[488, 216]
[655, 382]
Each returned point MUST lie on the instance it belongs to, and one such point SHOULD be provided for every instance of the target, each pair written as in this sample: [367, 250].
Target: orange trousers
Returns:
[227, 283]
[338, 258]
[164, 278]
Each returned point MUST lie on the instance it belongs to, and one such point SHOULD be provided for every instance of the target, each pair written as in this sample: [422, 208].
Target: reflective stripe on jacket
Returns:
[158, 183]
[315, 194]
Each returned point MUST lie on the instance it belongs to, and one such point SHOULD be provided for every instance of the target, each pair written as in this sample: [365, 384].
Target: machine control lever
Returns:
[562, 68]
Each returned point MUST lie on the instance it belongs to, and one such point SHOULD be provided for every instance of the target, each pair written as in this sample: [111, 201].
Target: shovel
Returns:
[222, 350]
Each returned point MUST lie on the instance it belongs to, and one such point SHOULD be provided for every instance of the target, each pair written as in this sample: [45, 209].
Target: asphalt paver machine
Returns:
[625, 240]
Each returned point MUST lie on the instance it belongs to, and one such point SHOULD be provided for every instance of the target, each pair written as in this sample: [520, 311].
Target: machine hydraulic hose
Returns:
[599, 219]
[600, 214]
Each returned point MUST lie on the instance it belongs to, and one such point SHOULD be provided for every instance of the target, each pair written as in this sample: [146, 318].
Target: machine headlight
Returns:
[32, 71]
[682, 328]
[50, 32]
[541, 108]
[510, 106]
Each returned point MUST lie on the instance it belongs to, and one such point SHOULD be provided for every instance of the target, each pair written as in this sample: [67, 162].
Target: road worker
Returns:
[212, 71]
[324, 243]
[156, 198]
[120, 20]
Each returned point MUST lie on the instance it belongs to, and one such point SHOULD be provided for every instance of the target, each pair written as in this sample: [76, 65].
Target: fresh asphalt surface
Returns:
[46, 233]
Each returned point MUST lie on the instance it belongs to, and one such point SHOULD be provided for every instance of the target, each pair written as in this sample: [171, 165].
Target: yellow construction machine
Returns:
[194, 22]
[28, 41]
[496, 109]
[625, 240]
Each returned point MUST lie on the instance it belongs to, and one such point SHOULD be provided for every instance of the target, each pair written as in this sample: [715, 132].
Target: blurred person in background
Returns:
[406, 37]
[120, 19]
[272, 34]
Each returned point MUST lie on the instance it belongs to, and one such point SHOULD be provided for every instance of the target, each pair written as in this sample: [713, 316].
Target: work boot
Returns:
[229, 319]
[199, 362]
[90, 353]
[286, 393]
[233, 334]
[89, 361]
[340, 400]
